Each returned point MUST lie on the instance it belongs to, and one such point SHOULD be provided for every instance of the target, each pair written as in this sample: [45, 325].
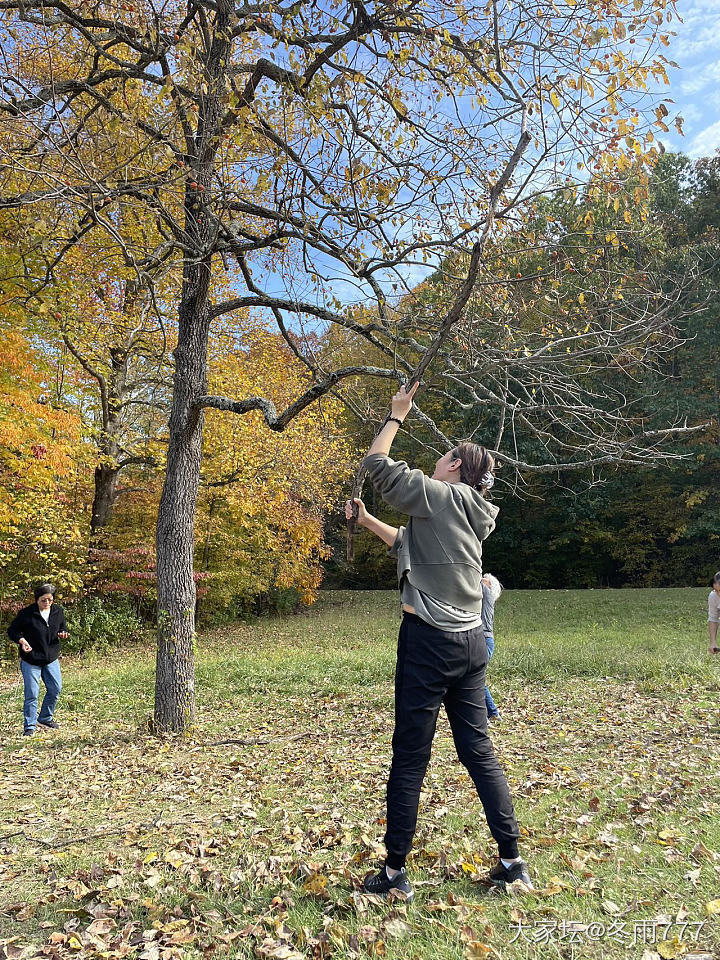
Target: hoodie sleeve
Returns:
[409, 491]
[15, 630]
[393, 550]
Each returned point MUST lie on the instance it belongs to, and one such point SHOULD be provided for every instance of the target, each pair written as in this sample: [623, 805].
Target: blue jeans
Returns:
[32, 675]
[492, 710]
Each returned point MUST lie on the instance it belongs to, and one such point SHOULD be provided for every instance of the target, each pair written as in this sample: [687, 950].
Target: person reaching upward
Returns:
[442, 655]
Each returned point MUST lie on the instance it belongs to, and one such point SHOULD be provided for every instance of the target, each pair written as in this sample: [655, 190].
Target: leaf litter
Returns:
[157, 850]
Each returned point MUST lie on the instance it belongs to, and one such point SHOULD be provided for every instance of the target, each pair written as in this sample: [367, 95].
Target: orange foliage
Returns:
[43, 492]
[263, 496]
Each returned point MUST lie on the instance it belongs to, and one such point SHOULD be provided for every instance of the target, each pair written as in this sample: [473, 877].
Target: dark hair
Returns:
[715, 579]
[476, 466]
[42, 588]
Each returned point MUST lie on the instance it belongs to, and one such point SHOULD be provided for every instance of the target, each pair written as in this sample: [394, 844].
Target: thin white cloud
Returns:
[703, 75]
[698, 32]
[706, 142]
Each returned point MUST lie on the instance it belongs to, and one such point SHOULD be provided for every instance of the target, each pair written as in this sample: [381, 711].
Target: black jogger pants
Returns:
[435, 667]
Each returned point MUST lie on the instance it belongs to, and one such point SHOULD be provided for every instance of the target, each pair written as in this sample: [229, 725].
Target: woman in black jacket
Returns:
[37, 630]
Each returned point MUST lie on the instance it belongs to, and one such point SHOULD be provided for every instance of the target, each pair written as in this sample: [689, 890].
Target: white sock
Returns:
[508, 863]
[392, 873]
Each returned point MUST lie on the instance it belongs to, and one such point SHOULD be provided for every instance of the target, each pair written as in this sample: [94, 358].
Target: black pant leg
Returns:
[467, 713]
[420, 684]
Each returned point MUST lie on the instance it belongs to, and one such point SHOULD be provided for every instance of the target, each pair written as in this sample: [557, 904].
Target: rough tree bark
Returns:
[175, 675]
[105, 484]
[175, 671]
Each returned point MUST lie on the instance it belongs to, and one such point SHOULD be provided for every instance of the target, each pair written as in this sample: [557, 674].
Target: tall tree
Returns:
[108, 326]
[79, 288]
[324, 152]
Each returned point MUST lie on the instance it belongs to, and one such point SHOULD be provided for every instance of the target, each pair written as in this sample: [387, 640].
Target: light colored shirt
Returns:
[714, 607]
[439, 614]
[45, 614]
[488, 612]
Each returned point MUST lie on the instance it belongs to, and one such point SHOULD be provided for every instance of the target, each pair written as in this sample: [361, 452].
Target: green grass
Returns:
[116, 843]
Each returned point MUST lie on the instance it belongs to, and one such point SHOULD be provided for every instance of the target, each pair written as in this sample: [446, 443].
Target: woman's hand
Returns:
[401, 403]
[24, 645]
[382, 530]
[63, 634]
[362, 512]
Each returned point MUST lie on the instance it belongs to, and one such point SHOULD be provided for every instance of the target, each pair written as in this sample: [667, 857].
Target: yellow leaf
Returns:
[671, 948]
[555, 99]
[476, 950]
[316, 885]
[712, 908]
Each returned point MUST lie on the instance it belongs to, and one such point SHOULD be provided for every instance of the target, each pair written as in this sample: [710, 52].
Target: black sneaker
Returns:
[49, 724]
[29, 732]
[501, 876]
[381, 885]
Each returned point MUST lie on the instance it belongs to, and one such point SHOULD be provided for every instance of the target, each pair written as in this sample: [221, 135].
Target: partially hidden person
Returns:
[38, 630]
[442, 655]
[491, 591]
[714, 613]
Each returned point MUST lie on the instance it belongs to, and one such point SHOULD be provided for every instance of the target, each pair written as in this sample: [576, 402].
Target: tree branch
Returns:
[279, 422]
[95, 374]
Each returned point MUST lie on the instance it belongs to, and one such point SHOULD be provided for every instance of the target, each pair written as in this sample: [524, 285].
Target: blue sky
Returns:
[695, 87]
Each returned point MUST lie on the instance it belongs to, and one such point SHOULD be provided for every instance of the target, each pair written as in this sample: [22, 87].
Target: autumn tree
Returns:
[108, 325]
[264, 494]
[586, 487]
[88, 304]
[42, 487]
[321, 154]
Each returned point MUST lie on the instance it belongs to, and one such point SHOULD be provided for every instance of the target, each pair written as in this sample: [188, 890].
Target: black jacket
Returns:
[42, 637]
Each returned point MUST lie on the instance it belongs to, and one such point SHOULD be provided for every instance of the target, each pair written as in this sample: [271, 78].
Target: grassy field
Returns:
[250, 837]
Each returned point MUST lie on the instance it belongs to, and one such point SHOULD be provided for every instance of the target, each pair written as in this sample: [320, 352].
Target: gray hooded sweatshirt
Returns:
[440, 549]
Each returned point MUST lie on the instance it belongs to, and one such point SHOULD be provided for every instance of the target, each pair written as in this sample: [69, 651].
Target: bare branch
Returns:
[279, 422]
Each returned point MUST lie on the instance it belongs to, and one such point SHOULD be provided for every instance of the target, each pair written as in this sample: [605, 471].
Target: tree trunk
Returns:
[175, 676]
[104, 497]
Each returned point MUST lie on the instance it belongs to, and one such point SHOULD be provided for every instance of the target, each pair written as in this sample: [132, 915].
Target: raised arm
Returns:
[400, 407]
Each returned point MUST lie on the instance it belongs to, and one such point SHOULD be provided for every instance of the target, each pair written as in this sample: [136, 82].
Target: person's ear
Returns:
[455, 464]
